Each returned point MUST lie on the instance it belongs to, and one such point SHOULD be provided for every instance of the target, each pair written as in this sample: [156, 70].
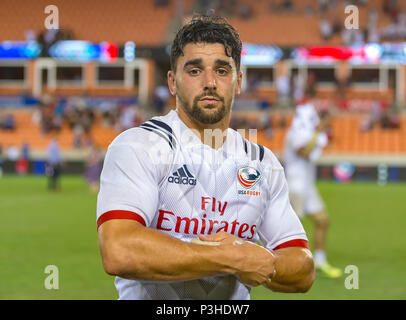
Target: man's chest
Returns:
[204, 197]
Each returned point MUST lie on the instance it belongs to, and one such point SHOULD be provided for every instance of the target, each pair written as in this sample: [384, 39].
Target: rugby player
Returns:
[171, 180]
[304, 143]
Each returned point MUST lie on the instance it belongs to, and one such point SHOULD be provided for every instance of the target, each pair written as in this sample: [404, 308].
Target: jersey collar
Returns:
[188, 138]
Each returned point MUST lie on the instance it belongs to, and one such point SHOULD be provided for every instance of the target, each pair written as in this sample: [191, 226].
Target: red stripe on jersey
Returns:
[119, 214]
[293, 243]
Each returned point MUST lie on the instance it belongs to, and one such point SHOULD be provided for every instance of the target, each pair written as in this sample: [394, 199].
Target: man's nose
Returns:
[209, 80]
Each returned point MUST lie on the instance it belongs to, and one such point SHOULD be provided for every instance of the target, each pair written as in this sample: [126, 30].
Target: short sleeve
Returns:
[128, 185]
[280, 227]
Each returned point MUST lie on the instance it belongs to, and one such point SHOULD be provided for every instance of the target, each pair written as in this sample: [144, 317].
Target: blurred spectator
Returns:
[59, 113]
[80, 119]
[7, 122]
[25, 151]
[227, 7]
[287, 6]
[12, 153]
[298, 86]
[381, 115]
[161, 3]
[140, 117]
[265, 119]
[323, 6]
[22, 167]
[1, 161]
[22, 164]
[49, 122]
[332, 4]
[245, 10]
[310, 86]
[161, 97]
[93, 168]
[48, 37]
[373, 35]
[78, 134]
[374, 117]
[127, 118]
[342, 84]
[352, 36]
[390, 118]
[309, 11]
[326, 29]
[54, 164]
[396, 30]
[372, 18]
[283, 87]
[336, 26]
[386, 6]
[273, 6]
[30, 35]
[253, 82]
[109, 113]
[390, 32]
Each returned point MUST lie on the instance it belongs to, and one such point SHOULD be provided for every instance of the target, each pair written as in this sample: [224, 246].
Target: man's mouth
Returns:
[209, 100]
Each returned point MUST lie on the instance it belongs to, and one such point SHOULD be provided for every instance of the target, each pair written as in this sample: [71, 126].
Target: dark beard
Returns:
[201, 116]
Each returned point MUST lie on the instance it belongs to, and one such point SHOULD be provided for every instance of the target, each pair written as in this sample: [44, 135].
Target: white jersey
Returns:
[301, 172]
[163, 176]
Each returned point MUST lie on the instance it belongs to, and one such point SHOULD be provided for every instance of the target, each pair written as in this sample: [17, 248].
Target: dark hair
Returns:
[207, 29]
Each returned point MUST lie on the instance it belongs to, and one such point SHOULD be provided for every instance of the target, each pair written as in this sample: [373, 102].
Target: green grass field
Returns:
[40, 228]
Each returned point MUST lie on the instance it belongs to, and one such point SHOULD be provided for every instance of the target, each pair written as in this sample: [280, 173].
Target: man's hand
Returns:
[254, 264]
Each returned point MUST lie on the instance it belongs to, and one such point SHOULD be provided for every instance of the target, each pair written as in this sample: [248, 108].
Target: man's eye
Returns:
[222, 72]
[194, 72]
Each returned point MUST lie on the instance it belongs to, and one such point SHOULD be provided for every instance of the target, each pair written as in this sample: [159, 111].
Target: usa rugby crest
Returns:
[248, 176]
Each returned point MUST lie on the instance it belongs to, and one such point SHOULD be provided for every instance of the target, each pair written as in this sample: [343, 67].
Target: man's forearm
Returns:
[143, 253]
[307, 149]
[294, 270]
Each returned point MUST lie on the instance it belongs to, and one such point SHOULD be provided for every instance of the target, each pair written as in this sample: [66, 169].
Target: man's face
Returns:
[205, 82]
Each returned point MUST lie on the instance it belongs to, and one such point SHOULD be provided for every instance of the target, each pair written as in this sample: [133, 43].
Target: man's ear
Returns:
[172, 82]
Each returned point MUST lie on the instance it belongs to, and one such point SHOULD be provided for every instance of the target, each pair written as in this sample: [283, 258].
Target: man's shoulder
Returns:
[255, 151]
[153, 133]
[271, 160]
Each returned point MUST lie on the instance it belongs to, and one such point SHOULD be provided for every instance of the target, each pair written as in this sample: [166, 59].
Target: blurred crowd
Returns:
[80, 116]
[371, 32]
[330, 25]
[295, 88]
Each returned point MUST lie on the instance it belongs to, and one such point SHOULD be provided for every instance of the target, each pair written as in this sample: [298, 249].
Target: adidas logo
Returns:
[182, 176]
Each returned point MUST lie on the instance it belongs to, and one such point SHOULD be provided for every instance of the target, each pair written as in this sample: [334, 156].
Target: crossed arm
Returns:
[305, 151]
[132, 251]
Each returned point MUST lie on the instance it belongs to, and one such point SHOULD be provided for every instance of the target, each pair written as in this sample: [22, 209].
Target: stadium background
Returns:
[84, 93]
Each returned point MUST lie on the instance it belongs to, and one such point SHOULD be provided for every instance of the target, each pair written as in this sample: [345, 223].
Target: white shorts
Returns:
[307, 203]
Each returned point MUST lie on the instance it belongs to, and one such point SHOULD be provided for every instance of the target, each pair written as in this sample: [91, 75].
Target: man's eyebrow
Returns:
[199, 61]
[223, 63]
[193, 62]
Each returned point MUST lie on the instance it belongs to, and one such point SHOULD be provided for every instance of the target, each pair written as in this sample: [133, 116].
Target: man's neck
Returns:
[208, 133]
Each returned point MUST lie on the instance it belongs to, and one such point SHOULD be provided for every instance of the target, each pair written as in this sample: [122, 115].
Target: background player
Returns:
[304, 143]
[147, 218]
